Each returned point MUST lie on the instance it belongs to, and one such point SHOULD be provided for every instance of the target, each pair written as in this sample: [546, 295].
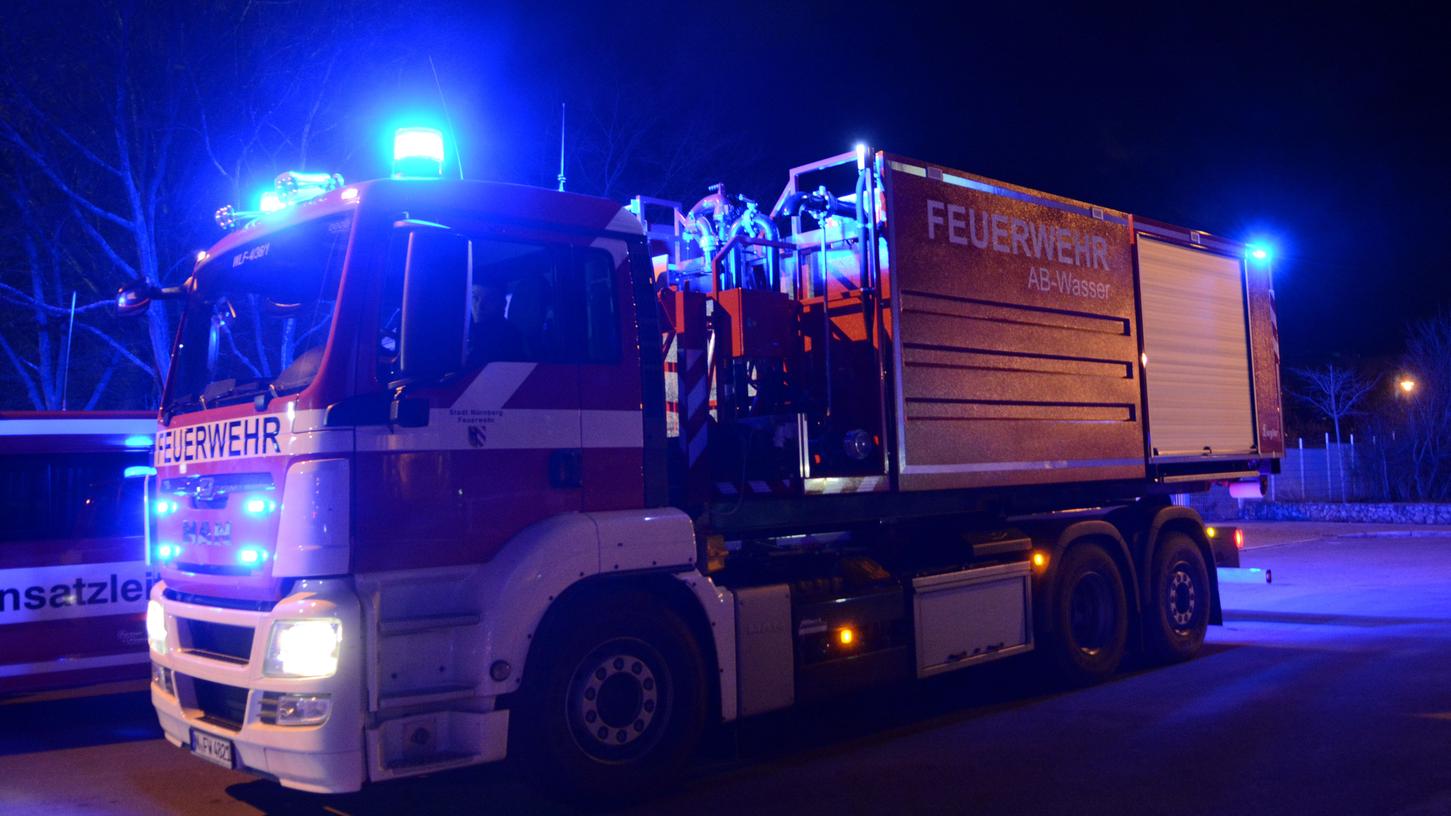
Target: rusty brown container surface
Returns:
[1018, 351]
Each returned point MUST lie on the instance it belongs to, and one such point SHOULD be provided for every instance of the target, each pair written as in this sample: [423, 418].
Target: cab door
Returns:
[614, 329]
[495, 443]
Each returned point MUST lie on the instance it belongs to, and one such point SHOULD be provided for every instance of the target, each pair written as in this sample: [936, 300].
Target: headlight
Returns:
[156, 626]
[304, 648]
[303, 709]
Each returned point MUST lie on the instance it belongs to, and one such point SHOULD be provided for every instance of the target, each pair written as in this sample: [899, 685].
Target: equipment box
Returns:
[971, 616]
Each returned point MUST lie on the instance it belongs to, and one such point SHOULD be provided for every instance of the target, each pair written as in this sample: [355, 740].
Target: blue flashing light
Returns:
[138, 470]
[417, 152]
[251, 555]
[137, 441]
[1257, 252]
[271, 202]
[258, 506]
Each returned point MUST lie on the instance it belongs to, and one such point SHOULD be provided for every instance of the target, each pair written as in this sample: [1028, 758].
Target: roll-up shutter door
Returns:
[1198, 361]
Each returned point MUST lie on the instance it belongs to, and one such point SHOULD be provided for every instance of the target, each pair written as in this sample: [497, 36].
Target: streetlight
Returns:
[1406, 384]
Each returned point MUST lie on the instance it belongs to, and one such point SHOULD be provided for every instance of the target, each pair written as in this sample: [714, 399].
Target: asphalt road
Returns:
[1328, 691]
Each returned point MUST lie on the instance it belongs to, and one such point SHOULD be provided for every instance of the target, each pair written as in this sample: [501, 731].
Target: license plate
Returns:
[212, 749]
[216, 534]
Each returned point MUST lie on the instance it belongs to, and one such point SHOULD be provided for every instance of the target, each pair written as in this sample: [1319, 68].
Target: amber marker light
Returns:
[1040, 559]
[845, 636]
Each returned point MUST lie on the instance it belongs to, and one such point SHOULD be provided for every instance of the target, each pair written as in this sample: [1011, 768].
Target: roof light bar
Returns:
[289, 188]
[417, 153]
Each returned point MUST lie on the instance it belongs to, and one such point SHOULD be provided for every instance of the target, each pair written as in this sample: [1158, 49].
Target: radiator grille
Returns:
[222, 705]
[218, 641]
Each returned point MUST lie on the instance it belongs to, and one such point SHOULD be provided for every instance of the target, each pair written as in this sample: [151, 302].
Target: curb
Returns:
[1396, 534]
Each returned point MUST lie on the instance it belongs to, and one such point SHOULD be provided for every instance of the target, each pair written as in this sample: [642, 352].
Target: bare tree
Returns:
[118, 146]
[284, 81]
[56, 308]
[108, 164]
[1335, 392]
[658, 136]
[1426, 419]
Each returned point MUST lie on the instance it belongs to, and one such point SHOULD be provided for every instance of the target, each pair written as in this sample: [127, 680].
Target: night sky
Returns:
[1322, 131]
[1319, 129]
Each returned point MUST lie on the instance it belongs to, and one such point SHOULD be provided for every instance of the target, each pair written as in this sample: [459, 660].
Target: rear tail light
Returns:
[1239, 539]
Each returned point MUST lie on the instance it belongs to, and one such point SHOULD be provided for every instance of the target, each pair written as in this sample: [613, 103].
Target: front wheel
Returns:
[1090, 615]
[1177, 616]
[615, 704]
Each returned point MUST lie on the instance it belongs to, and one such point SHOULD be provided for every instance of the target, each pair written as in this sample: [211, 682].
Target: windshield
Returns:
[260, 318]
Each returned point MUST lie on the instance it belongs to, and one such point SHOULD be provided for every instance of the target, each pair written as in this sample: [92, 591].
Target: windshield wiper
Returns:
[237, 394]
[180, 405]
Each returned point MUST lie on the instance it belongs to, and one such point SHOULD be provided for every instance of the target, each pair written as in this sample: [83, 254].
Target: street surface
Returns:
[1328, 691]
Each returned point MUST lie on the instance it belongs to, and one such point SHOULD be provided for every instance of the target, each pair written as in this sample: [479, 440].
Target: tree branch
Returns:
[105, 245]
[104, 380]
[20, 372]
[13, 136]
[120, 349]
[20, 298]
[66, 136]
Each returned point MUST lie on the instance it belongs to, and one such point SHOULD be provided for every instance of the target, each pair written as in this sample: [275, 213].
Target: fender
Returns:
[543, 561]
[1091, 528]
[719, 606]
[1188, 517]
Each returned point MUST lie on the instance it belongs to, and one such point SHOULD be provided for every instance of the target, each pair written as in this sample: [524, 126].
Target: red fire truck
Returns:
[450, 470]
[74, 578]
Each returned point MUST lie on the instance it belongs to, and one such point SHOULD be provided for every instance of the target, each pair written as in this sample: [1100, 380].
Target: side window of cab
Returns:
[528, 302]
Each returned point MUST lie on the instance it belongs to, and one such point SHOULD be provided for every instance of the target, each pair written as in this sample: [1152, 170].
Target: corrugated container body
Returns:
[1032, 330]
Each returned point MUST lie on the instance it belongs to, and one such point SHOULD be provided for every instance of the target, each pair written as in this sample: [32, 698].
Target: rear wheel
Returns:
[616, 704]
[1090, 615]
[1177, 617]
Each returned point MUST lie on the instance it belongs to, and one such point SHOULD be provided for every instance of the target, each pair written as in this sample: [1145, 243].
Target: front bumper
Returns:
[325, 758]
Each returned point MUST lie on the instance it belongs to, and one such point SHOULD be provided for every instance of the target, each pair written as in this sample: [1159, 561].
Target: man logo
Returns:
[477, 436]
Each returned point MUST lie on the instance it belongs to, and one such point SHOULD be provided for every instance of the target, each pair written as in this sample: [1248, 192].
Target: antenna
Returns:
[452, 134]
[561, 147]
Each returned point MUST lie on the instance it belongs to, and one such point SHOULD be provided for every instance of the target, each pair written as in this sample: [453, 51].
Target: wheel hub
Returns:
[615, 699]
[1182, 599]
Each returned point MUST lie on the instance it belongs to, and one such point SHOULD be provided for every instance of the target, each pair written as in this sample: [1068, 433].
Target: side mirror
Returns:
[437, 279]
[134, 299]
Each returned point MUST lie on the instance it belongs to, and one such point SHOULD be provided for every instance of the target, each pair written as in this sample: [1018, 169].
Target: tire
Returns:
[616, 703]
[1177, 616]
[1090, 627]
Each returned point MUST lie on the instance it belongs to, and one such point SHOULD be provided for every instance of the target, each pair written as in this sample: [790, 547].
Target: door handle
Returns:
[566, 468]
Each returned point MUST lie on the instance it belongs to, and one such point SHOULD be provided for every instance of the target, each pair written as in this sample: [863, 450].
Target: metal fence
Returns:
[1349, 471]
